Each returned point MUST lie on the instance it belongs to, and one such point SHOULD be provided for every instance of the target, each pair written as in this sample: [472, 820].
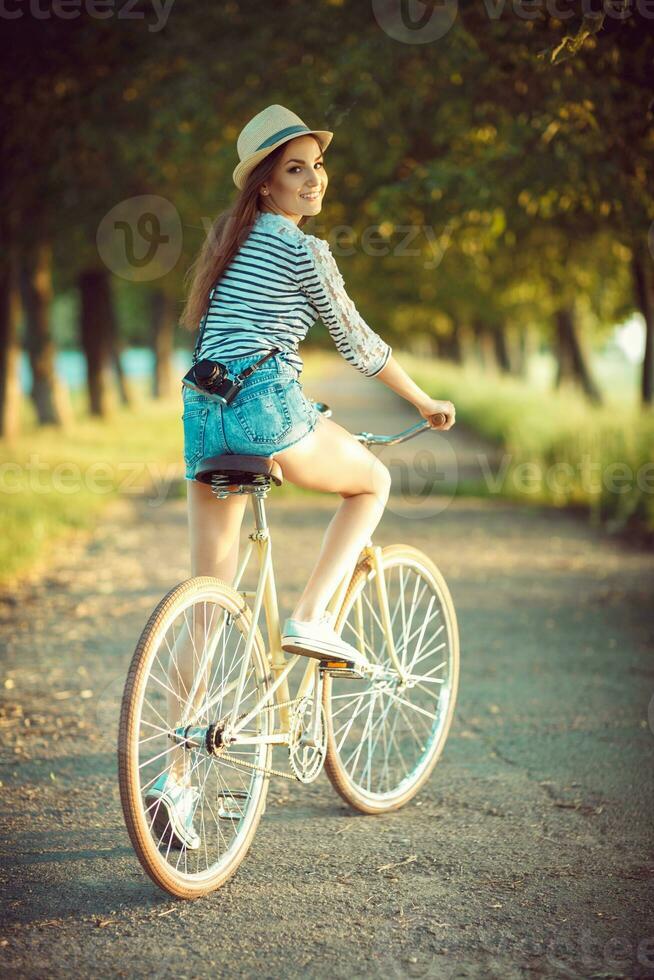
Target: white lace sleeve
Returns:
[322, 282]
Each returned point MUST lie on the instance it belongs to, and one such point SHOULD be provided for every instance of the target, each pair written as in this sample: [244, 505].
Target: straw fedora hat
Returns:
[266, 131]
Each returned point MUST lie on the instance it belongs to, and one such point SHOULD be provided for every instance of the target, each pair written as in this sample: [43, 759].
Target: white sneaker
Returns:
[171, 807]
[318, 638]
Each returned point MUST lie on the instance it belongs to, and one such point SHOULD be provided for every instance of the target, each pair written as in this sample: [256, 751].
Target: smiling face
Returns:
[298, 183]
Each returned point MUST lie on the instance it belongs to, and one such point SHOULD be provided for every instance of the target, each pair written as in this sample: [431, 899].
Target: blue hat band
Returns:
[281, 134]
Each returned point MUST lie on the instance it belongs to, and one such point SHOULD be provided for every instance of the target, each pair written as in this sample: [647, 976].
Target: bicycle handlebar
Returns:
[372, 440]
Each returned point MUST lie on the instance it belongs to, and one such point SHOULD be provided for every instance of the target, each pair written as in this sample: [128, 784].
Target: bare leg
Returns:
[346, 534]
[214, 525]
[331, 459]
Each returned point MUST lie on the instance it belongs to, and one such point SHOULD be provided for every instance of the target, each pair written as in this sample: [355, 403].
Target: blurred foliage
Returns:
[560, 449]
[513, 150]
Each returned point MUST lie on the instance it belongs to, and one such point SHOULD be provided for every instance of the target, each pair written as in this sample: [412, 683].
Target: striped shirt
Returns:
[278, 284]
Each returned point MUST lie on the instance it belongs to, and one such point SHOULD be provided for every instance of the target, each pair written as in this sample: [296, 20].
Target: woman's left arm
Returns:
[321, 279]
[395, 377]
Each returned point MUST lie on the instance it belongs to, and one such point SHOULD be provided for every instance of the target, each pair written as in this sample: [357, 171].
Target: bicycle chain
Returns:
[263, 769]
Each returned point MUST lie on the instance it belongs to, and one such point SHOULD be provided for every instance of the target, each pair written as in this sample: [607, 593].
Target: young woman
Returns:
[259, 283]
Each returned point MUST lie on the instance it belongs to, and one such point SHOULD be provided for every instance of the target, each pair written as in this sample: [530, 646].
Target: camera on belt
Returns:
[213, 378]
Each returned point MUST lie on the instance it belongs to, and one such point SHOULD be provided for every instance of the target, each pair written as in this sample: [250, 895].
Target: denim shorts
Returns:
[270, 413]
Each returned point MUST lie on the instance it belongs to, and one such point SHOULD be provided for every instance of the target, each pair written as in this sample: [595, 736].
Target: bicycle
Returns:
[378, 730]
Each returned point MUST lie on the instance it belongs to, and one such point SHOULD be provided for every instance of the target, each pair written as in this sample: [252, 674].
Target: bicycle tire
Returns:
[184, 884]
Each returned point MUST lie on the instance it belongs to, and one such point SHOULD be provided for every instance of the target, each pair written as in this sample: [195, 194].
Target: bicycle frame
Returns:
[265, 594]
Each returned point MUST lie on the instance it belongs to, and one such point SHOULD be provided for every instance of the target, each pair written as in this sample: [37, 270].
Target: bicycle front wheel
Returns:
[386, 735]
[180, 693]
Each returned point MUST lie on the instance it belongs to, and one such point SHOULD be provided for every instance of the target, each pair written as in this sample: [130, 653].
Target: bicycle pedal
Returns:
[229, 807]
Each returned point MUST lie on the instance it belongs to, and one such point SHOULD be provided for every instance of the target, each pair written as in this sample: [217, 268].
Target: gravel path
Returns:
[530, 848]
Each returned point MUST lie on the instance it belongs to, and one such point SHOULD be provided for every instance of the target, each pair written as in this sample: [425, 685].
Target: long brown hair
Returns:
[228, 232]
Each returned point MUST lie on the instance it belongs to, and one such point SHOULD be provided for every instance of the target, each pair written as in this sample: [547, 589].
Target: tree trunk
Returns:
[95, 336]
[457, 352]
[36, 293]
[467, 343]
[450, 347]
[565, 371]
[486, 349]
[121, 379]
[516, 340]
[9, 346]
[572, 365]
[163, 329]
[530, 342]
[116, 349]
[644, 288]
[501, 350]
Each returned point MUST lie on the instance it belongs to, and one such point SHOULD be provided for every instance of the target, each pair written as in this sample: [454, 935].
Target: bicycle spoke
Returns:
[357, 749]
[386, 733]
[428, 653]
[351, 721]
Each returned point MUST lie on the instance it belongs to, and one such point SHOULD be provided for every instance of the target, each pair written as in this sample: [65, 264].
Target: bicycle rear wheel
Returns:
[386, 735]
[182, 681]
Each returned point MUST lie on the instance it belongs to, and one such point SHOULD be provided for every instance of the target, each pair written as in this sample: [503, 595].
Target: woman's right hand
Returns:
[432, 407]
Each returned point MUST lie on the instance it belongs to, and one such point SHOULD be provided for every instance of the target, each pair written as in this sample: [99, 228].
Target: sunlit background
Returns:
[489, 206]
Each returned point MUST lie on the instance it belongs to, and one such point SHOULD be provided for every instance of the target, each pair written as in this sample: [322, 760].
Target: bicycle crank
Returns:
[307, 747]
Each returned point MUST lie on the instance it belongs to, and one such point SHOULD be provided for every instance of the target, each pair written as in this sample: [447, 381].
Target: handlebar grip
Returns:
[439, 418]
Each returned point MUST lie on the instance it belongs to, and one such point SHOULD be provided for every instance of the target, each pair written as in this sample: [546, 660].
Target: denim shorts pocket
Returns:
[195, 423]
[263, 412]
[302, 405]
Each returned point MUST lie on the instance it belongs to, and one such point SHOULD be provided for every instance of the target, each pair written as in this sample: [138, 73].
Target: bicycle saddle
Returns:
[239, 469]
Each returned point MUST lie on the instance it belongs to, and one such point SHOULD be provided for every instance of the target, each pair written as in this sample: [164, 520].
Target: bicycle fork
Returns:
[374, 554]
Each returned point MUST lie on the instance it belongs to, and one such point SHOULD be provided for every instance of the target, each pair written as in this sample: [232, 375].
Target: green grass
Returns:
[56, 481]
[562, 450]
